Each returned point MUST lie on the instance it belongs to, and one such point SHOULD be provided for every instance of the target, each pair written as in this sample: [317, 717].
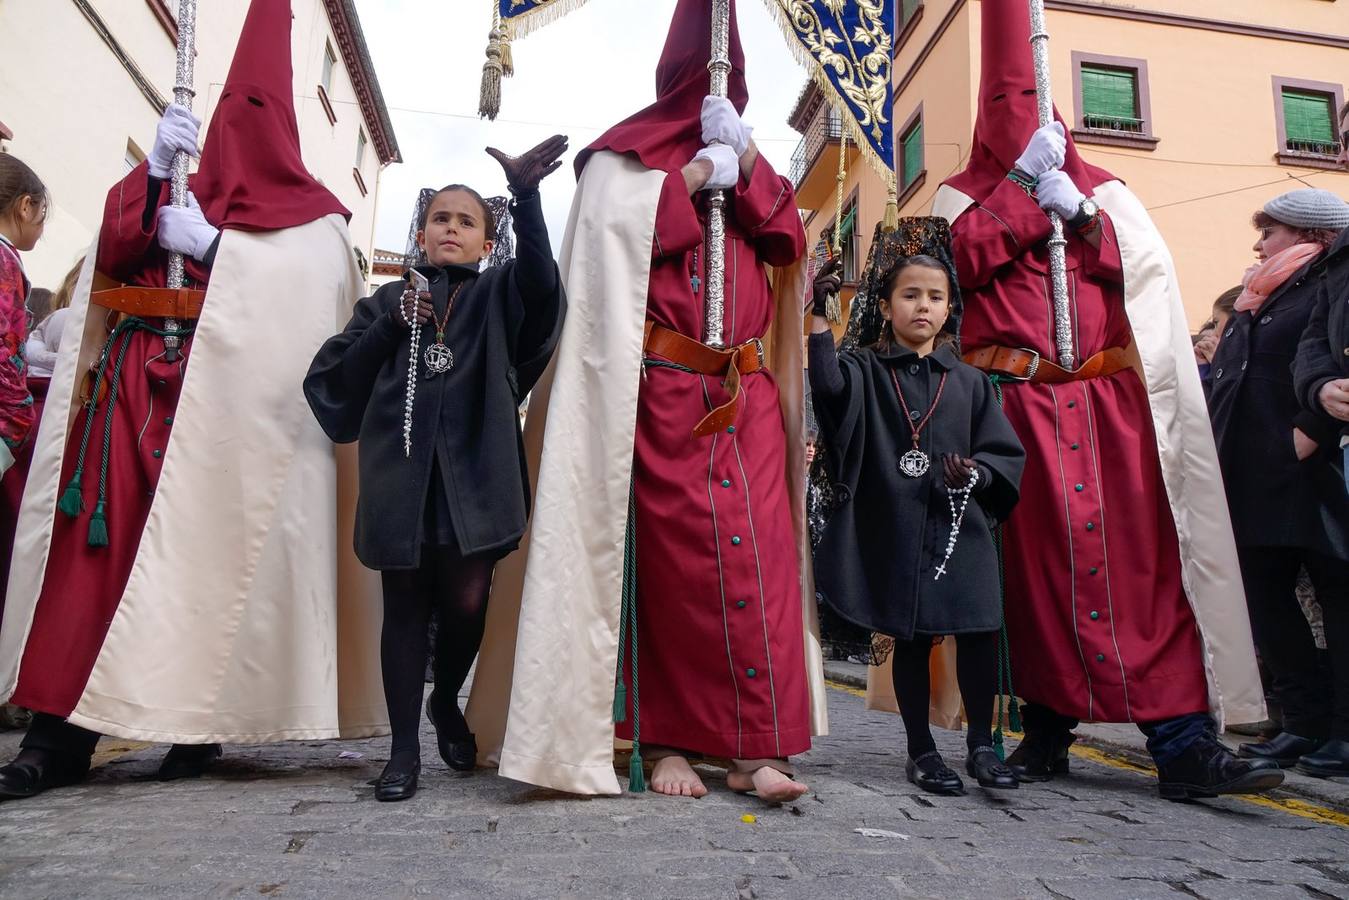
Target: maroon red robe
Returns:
[721, 659]
[83, 585]
[238, 187]
[1098, 619]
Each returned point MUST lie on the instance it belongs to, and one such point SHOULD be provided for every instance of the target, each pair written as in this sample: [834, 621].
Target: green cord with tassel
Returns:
[1006, 693]
[627, 648]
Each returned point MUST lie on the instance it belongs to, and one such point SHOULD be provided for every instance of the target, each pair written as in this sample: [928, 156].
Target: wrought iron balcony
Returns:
[824, 129]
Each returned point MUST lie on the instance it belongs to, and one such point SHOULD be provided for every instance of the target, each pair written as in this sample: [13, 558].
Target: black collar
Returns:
[454, 272]
[895, 354]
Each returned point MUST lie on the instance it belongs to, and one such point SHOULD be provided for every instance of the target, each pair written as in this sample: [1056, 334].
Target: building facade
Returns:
[83, 83]
[1205, 109]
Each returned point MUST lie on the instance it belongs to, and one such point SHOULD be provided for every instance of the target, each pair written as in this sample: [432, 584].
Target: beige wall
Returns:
[73, 107]
[1213, 110]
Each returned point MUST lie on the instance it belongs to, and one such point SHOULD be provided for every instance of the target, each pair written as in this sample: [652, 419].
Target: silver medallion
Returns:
[439, 359]
[914, 464]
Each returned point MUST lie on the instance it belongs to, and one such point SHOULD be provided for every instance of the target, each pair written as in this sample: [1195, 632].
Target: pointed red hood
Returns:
[251, 175]
[1007, 113]
[667, 133]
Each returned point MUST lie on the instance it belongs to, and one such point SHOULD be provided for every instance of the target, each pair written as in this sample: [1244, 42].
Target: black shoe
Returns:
[984, 766]
[35, 771]
[1041, 755]
[1330, 761]
[457, 745]
[1208, 769]
[931, 774]
[397, 784]
[1285, 749]
[187, 761]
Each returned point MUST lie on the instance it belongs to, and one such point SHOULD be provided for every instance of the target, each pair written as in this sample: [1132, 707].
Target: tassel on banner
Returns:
[489, 99]
[890, 223]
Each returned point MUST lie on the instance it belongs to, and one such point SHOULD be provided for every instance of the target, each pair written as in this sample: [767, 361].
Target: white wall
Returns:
[73, 107]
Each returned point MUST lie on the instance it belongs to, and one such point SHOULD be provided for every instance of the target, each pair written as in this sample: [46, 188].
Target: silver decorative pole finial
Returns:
[720, 68]
[182, 94]
[1058, 244]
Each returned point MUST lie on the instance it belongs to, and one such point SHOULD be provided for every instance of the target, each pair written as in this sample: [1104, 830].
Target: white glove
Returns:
[721, 123]
[725, 166]
[1057, 193]
[183, 229]
[1045, 150]
[177, 131]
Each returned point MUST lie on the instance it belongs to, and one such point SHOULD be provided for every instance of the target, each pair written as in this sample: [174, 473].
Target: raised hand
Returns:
[524, 172]
[828, 281]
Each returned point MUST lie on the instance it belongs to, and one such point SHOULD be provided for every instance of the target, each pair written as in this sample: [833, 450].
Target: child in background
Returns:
[23, 215]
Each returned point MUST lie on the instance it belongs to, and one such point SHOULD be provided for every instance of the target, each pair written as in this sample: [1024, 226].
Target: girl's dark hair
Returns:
[1227, 300]
[1323, 236]
[18, 181]
[489, 221]
[922, 260]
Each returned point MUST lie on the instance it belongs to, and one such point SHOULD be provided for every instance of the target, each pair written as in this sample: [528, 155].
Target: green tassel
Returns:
[998, 747]
[72, 501]
[98, 527]
[636, 774]
[1014, 717]
[620, 702]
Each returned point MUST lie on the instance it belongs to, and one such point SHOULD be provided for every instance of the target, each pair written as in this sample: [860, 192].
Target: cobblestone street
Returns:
[299, 820]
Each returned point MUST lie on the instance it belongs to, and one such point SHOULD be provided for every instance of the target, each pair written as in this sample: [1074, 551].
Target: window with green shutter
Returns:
[907, 9]
[1110, 99]
[1309, 122]
[911, 158]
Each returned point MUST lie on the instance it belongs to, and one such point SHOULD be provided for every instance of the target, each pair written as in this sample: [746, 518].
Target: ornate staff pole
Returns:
[720, 67]
[1058, 266]
[182, 94]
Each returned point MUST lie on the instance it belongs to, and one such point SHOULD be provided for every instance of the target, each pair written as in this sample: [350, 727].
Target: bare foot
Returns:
[674, 776]
[770, 784]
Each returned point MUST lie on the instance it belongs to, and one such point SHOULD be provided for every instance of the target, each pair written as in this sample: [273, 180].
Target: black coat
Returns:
[1323, 353]
[1275, 500]
[876, 560]
[502, 331]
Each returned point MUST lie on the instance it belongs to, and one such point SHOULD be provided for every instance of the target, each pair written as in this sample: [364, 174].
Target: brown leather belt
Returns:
[152, 303]
[730, 363]
[1028, 365]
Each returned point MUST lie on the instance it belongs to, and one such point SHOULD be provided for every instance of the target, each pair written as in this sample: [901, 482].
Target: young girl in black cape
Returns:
[922, 464]
[430, 383]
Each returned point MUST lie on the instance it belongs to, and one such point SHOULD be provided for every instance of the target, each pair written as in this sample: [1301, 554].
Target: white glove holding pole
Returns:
[177, 131]
[1046, 149]
[722, 124]
[725, 166]
[183, 229]
[1056, 193]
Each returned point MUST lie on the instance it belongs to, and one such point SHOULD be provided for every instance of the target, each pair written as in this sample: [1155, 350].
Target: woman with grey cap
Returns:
[1287, 512]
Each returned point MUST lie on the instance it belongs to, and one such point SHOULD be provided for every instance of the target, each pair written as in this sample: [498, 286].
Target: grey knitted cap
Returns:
[1309, 208]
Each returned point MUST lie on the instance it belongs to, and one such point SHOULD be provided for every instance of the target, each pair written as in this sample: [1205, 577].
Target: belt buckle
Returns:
[1030, 369]
[758, 348]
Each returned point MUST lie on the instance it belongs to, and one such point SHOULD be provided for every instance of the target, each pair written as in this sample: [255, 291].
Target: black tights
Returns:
[456, 589]
[976, 671]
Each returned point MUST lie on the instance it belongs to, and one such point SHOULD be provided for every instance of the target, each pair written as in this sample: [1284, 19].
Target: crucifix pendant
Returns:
[439, 358]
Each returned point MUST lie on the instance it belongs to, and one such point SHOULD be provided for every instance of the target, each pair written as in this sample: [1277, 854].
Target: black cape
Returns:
[888, 532]
[466, 427]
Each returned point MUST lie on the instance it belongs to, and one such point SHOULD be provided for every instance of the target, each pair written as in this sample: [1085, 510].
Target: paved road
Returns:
[296, 820]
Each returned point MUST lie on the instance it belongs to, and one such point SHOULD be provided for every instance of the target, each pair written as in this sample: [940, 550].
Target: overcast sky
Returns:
[576, 76]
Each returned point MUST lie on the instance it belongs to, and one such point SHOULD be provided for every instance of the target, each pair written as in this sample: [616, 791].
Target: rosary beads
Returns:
[957, 518]
[411, 322]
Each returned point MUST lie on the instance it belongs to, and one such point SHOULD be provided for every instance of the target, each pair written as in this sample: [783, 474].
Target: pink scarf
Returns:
[1267, 277]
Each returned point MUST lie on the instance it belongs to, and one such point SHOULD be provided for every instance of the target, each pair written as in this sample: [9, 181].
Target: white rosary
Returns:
[416, 332]
[957, 518]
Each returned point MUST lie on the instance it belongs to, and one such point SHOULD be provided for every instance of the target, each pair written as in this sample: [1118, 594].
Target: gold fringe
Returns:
[803, 57]
[507, 57]
[529, 22]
